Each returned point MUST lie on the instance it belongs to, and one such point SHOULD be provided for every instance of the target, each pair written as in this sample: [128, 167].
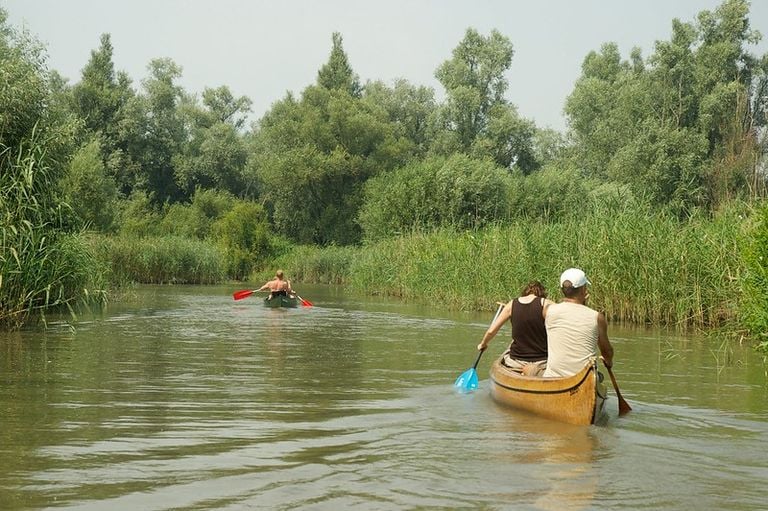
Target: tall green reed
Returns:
[646, 267]
[41, 267]
[328, 265]
[161, 260]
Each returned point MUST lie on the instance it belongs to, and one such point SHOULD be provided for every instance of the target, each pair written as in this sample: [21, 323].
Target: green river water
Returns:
[181, 398]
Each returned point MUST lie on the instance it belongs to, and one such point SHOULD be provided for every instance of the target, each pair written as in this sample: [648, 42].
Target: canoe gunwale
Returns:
[537, 391]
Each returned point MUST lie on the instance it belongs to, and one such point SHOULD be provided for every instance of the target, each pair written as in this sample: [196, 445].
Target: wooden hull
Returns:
[281, 301]
[577, 399]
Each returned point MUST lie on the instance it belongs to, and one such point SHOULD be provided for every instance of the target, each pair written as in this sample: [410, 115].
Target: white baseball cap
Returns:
[576, 277]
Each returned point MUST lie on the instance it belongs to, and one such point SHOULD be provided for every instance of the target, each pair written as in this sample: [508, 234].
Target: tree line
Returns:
[345, 162]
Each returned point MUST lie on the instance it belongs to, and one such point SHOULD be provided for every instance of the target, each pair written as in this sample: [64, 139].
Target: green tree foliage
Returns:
[23, 89]
[312, 157]
[680, 127]
[476, 118]
[215, 154]
[40, 266]
[196, 220]
[89, 189]
[456, 192]
[337, 74]
[98, 96]
[102, 100]
[165, 132]
[408, 107]
[244, 233]
[140, 218]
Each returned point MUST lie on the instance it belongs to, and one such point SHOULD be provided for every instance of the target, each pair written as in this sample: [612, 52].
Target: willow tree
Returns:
[101, 99]
[476, 118]
[682, 126]
[311, 156]
[215, 154]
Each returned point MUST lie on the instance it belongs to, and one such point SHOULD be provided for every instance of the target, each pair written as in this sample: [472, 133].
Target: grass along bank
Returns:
[646, 267]
[160, 260]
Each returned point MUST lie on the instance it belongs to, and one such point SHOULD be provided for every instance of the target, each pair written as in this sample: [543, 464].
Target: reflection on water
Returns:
[188, 400]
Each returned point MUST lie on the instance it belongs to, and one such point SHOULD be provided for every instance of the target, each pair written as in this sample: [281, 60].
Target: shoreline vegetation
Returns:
[648, 267]
[657, 189]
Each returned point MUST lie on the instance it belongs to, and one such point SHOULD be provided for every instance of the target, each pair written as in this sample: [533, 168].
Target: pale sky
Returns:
[263, 49]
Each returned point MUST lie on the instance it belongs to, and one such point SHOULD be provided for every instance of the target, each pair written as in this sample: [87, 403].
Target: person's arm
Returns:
[545, 306]
[506, 313]
[265, 286]
[606, 350]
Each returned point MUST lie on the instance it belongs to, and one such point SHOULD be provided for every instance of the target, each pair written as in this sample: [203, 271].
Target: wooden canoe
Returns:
[281, 301]
[577, 399]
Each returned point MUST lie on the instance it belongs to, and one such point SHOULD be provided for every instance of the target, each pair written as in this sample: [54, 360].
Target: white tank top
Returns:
[571, 338]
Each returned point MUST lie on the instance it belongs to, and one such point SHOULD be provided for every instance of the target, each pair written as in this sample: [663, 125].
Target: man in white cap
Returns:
[575, 331]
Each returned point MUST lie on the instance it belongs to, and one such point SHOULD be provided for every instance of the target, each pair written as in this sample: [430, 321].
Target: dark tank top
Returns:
[528, 332]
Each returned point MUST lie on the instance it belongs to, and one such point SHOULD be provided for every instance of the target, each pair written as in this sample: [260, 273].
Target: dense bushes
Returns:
[457, 192]
[243, 233]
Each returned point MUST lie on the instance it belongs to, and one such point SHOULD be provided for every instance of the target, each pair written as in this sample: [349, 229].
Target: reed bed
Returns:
[161, 260]
[645, 267]
[41, 267]
[329, 265]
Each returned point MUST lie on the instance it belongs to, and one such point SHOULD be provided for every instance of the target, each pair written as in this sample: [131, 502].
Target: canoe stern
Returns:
[577, 399]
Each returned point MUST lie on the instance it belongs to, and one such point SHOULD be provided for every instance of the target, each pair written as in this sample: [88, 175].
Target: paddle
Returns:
[468, 379]
[624, 407]
[305, 303]
[243, 293]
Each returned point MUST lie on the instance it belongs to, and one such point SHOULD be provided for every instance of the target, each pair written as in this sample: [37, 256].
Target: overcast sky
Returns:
[263, 49]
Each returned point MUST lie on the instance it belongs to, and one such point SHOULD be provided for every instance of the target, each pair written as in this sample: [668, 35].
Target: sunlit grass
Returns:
[161, 260]
[645, 267]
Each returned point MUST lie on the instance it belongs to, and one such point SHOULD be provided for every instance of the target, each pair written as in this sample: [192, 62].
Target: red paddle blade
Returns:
[624, 407]
[239, 295]
[305, 303]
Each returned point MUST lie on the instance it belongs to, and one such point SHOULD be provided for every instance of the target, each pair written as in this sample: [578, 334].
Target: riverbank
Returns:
[646, 267]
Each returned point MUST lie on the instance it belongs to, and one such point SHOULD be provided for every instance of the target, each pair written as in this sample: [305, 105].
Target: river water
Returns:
[181, 398]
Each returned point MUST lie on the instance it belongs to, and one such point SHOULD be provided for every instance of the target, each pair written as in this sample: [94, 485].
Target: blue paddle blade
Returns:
[467, 380]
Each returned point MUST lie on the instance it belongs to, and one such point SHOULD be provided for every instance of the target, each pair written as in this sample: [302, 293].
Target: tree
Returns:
[163, 135]
[215, 155]
[408, 107]
[101, 99]
[89, 189]
[682, 126]
[337, 74]
[311, 157]
[476, 118]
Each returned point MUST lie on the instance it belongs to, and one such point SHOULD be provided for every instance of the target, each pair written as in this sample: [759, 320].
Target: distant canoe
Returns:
[577, 399]
[281, 301]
